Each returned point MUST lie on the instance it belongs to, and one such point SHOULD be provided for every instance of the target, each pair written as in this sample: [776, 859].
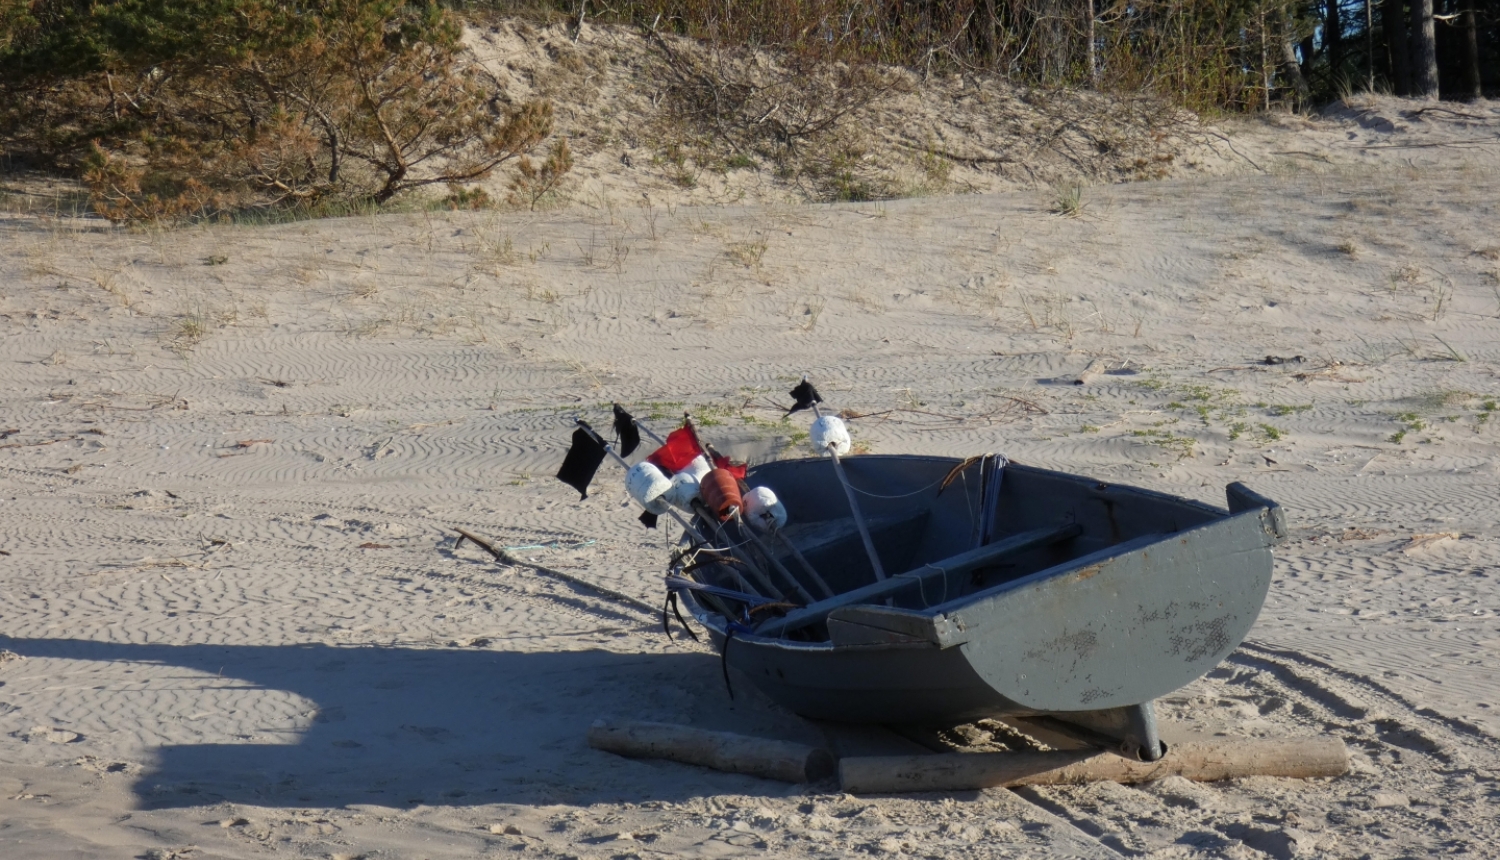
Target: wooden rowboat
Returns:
[1011, 591]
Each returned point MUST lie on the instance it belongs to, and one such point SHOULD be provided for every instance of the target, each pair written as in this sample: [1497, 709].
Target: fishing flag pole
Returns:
[597, 456]
[749, 530]
[807, 397]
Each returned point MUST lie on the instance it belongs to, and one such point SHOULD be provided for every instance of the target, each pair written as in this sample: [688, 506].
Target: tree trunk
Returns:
[984, 32]
[1307, 57]
[1424, 72]
[1394, 12]
[1472, 86]
[1293, 72]
[1052, 27]
[1093, 62]
[1333, 38]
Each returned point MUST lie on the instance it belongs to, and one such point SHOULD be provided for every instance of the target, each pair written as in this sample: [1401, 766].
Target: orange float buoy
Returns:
[720, 491]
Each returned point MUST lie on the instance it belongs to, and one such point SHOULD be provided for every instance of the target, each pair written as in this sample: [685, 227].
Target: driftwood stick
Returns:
[726, 751]
[509, 560]
[1301, 758]
[499, 554]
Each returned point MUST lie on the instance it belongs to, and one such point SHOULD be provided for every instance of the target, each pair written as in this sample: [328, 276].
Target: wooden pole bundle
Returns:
[726, 751]
[1301, 758]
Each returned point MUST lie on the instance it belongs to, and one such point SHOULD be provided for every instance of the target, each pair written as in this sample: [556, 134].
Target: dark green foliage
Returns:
[1205, 54]
[178, 107]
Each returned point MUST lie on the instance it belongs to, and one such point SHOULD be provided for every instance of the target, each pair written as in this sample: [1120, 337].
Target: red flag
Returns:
[680, 449]
[728, 465]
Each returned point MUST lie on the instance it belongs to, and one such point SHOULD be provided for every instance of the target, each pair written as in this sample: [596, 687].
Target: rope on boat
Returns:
[753, 601]
[944, 481]
[915, 576]
[666, 625]
[991, 474]
[729, 630]
[899, 496]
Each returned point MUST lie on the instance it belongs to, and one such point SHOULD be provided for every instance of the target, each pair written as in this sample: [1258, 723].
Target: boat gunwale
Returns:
[1119, 550]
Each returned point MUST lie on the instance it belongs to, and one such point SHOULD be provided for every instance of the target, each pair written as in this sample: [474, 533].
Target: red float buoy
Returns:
[720, 491]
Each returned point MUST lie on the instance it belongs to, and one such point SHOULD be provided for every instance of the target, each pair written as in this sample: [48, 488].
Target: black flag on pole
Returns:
[583, 460]
[648, 519]
[805, 395]
[625, 428]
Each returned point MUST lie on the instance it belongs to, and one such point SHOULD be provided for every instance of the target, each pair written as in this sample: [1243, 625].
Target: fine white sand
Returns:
[235, 623]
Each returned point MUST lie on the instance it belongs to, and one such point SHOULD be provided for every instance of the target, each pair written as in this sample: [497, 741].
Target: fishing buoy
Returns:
[646, 484]
[683, 491]
[830, 430]
[697, 468]
[763, 510]
[720, 491]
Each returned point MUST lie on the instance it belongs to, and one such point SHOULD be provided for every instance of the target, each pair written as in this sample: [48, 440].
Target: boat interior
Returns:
[945, 532]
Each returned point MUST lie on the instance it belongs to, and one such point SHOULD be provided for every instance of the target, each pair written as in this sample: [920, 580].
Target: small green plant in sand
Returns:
[1180, 445]
[1067, 200]
[1410, 422]
[1486, 409]
[1222, 406]
[1281, 409]
[460, 198]
[936, 168]
[747, 254]
[534, 182]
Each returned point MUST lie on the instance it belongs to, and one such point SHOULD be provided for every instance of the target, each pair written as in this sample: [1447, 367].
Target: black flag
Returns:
[583, 460]
[648, 519]
[625, 428]
[805, 395]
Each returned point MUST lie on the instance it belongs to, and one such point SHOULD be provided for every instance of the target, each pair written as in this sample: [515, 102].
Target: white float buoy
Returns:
[697, 468]
[647, 485]
[763, 511]
[683, 490]
[830, 430]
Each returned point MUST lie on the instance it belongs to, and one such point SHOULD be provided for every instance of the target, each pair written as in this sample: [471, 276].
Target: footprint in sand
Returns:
[436, 734]
[40, 734]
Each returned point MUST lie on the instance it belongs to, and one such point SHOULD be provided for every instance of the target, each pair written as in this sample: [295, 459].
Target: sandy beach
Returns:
[234, 622]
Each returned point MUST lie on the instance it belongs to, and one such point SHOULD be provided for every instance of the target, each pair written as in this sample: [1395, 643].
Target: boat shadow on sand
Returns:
[333, 726]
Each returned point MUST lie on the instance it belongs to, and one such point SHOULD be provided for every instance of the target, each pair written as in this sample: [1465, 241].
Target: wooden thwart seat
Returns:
[961, 563]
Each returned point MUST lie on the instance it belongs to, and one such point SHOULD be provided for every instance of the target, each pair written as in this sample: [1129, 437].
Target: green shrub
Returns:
[172, 108]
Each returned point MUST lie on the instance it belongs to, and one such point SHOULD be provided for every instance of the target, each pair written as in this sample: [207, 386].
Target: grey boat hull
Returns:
[1148, 593]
